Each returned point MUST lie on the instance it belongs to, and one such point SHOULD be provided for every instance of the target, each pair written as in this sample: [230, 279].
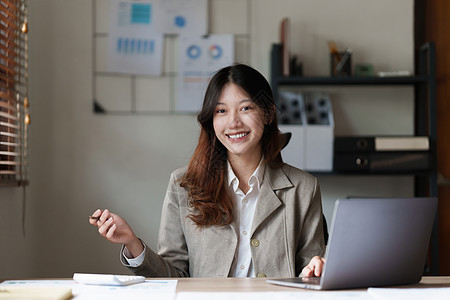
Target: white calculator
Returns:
[107, 279]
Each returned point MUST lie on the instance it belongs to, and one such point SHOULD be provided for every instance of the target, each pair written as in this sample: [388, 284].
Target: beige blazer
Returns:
[287, 231]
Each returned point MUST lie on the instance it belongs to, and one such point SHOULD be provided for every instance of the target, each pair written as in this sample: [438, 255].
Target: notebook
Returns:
[374, 242]
[30, 293]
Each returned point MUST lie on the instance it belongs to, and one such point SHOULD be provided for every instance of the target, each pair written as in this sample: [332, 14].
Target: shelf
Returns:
[424, 83]
[399, 80]
[356, 173]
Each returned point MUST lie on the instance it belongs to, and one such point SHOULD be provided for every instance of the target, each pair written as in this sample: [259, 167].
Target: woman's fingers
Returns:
[93, 219]
[103, 217]
[112, 227]
[314, 268]
[110, 232]
[104, 227]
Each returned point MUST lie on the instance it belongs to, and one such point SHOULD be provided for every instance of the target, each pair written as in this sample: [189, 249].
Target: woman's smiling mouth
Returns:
[237, 136]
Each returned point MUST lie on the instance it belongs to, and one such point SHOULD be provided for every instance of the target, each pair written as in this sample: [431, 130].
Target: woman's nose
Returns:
[235, 120]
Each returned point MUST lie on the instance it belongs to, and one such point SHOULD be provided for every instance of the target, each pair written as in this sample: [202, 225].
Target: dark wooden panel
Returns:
[436, 29]
[444, 230]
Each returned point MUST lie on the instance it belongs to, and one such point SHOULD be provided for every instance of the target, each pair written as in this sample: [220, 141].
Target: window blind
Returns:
[14, 103]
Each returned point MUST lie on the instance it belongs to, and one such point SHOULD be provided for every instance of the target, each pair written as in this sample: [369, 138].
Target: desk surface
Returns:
[260, 284]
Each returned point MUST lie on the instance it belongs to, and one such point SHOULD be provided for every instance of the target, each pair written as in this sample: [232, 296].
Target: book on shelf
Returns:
[381, 143]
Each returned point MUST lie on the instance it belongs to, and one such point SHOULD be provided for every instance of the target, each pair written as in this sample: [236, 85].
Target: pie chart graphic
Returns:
[180, 21]
[193, 51]
[215, 51]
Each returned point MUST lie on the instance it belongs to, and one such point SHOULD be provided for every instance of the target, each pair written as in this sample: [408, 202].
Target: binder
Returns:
[381, 143]
[383, 162]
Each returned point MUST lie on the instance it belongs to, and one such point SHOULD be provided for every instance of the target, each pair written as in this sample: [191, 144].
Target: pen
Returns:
[343, 60]
[94, 218]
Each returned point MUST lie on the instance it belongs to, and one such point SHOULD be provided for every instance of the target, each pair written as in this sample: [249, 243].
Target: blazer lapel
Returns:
[268, 202]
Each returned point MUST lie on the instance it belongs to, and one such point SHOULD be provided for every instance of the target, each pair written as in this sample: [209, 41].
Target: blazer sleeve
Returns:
[172, 259]
[312, 238]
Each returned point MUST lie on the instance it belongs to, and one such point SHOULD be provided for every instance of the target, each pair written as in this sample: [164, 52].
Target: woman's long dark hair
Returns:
[206, 176]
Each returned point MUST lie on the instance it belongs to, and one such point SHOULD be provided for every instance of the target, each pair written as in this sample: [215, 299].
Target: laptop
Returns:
[374, 242]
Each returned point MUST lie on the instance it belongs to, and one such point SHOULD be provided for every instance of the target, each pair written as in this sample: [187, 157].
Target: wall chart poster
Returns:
[199, 58]
[134, 47]
[182, 17]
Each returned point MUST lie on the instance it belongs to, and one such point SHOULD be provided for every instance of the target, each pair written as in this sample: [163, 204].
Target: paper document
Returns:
[199, 58]
[157, 289]
[181, 17]
[133, 45]
[310, 295]
[38, 283]
[409, 294]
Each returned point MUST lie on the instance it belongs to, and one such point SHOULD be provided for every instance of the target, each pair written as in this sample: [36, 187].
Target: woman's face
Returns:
[238, 122]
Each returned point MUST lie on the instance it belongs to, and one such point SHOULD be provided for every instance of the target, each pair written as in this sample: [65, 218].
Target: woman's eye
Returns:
[220, 111]
[246, 108]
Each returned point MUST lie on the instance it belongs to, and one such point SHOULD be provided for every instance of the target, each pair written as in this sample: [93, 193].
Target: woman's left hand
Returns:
[314, 268]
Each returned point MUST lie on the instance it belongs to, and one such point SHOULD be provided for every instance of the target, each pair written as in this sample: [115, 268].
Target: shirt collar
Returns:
[258, 176]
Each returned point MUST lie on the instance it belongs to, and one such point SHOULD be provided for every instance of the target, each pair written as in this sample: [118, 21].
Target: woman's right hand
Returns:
[116, 230]
[314, 268]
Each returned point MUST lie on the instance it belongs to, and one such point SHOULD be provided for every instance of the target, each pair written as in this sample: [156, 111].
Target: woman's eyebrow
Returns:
[240, 102]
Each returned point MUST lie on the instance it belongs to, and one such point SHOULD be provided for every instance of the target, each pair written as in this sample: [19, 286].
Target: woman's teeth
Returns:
[237, 136]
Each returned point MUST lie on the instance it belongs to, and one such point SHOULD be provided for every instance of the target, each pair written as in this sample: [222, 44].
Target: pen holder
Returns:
[341, 64]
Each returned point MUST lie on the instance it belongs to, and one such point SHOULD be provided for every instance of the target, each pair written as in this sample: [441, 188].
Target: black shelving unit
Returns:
[424, 83]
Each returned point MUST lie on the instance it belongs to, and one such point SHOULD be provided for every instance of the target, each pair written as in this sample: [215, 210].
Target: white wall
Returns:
[81, 161]
[16, 238]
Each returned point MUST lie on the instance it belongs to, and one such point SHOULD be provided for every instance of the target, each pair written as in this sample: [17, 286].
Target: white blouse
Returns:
[245, 205]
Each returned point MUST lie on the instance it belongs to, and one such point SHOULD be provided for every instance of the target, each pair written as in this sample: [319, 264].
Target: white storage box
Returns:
[293, 119]
[319, 132]
[293, 153]
[311, 144]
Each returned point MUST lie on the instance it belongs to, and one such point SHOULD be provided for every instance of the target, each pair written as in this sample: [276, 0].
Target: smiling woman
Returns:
[14, 116]
[239, 102]
[236, 210]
